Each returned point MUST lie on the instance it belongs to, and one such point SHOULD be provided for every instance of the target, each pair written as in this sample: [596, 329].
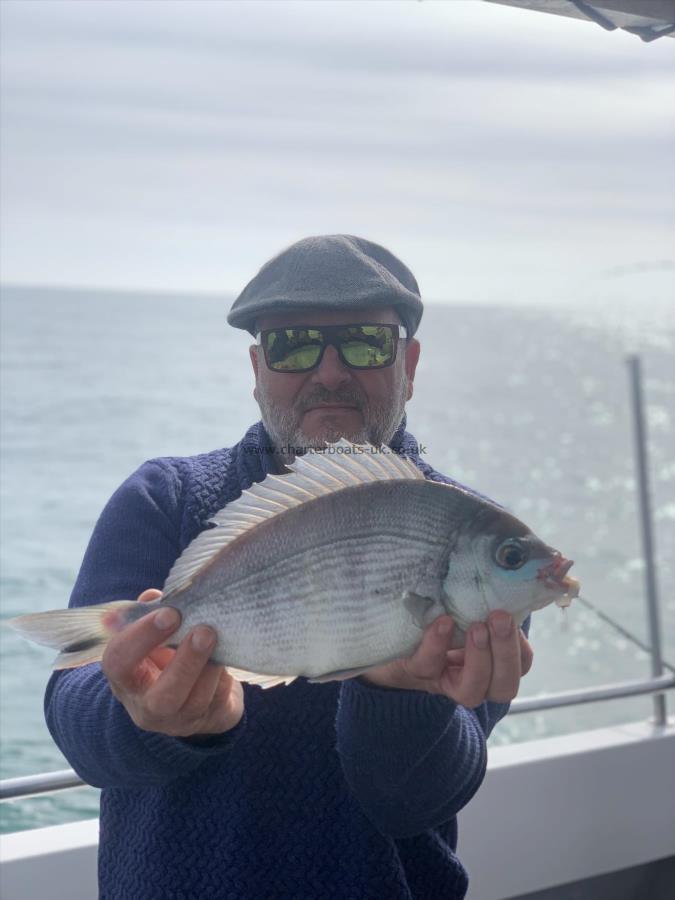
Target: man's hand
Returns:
[175, 692]
[489, 667]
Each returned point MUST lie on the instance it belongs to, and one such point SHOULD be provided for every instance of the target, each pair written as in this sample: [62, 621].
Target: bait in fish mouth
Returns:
[333, 569]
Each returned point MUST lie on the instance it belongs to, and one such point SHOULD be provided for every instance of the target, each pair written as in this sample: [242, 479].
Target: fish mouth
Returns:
[554, 574]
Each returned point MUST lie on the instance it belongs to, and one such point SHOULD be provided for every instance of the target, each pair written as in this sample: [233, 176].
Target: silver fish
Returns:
[334, 568]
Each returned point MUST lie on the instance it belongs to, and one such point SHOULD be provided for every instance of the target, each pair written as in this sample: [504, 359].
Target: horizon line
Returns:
[213, 295]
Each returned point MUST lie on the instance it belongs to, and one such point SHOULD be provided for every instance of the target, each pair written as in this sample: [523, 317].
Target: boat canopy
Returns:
[648, 19]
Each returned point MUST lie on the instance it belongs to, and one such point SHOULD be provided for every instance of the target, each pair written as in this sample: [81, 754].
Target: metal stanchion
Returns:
[647, 535]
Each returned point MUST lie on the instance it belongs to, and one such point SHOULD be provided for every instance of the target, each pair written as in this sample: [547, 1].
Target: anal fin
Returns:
[339, 675]
[265, 681]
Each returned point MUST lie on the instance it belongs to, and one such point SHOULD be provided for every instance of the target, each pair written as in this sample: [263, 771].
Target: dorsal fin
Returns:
[316, 474]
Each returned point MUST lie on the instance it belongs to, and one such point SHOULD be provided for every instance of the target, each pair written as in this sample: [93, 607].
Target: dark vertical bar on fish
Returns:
[634, 367]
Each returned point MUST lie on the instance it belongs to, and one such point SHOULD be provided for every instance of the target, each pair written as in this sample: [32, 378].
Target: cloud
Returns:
[461, 131]
[460, 38]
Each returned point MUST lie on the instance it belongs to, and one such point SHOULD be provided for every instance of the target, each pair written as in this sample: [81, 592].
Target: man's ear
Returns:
[253, 353]
[412, 355]
[255, 362]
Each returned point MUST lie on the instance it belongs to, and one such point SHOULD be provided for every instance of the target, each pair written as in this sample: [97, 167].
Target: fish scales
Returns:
[364, 511]
[316, 607]
[322, 538]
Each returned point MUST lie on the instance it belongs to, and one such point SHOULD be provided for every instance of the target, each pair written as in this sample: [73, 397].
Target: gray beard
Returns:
[380, 421]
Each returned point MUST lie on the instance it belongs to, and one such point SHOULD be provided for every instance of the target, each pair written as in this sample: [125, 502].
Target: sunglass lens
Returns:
[293, 349]
[368, 346]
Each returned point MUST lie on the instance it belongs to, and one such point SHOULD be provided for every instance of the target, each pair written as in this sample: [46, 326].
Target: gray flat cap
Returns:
[336, 271]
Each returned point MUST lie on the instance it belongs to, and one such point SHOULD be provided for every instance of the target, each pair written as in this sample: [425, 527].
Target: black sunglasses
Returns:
[300, 348]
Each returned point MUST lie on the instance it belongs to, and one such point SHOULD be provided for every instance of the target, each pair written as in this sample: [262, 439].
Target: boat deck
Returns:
[588, 816]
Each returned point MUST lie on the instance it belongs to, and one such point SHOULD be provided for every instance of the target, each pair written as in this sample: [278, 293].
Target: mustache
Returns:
[317, 395]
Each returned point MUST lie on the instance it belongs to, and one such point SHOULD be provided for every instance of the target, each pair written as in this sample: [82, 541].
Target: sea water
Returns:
[529, 406]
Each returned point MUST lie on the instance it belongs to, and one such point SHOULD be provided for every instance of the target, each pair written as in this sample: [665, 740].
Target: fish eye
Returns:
[511, 554]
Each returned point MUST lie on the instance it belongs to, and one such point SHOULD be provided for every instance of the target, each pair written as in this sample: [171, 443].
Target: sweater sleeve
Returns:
[133, 547]
[412, 759]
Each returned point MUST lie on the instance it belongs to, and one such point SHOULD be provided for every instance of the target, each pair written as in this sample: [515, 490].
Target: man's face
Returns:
[334, 401]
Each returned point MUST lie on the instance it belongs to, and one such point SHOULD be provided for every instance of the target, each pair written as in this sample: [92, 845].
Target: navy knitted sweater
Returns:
[338, 790]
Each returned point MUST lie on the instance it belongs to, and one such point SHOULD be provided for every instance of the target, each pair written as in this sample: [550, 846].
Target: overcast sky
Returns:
[505, 155]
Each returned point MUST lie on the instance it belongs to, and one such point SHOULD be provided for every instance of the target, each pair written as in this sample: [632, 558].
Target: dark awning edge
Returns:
[648, 19]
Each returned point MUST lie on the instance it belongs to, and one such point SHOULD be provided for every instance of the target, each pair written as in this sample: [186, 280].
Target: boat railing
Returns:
[49, 782]
[657, 685]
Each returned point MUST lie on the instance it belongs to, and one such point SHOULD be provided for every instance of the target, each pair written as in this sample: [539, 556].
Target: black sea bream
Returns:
[335, 568]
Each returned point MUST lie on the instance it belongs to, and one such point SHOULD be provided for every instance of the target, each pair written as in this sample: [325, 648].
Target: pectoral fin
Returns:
[419, 608]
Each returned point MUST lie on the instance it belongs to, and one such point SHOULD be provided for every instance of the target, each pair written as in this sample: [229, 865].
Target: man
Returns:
[214, 790]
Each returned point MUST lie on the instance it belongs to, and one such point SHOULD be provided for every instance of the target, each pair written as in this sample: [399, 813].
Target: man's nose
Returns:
[331, 372]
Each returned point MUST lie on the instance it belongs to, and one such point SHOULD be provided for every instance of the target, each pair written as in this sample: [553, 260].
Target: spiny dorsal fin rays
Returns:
[406, 466]
[256, 501]
[316, 474]
[243, 518]
[260, 493]
[389, 465]
[229, 516]
[259, 504]
[356, 463]
[277, 500]
[257, 512]
[301, 487]
[326, 465]
[323, 475]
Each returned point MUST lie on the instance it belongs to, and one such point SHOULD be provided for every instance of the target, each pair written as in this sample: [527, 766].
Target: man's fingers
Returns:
[173, 687]
[469, 684]
[506, 657]
[129, 648]
[455, 657]
[429, 660]
[162, 656]
[213, 679]
[526, 654]
[149, 595]
[488, 667]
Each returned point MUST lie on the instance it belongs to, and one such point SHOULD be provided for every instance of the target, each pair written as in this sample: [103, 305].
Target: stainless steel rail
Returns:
[49, 782]
[45, 783]
[654, 686]
[658, 684]
[651, 585]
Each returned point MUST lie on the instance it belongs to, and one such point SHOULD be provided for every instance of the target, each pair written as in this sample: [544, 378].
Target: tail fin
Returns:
[79, 634]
